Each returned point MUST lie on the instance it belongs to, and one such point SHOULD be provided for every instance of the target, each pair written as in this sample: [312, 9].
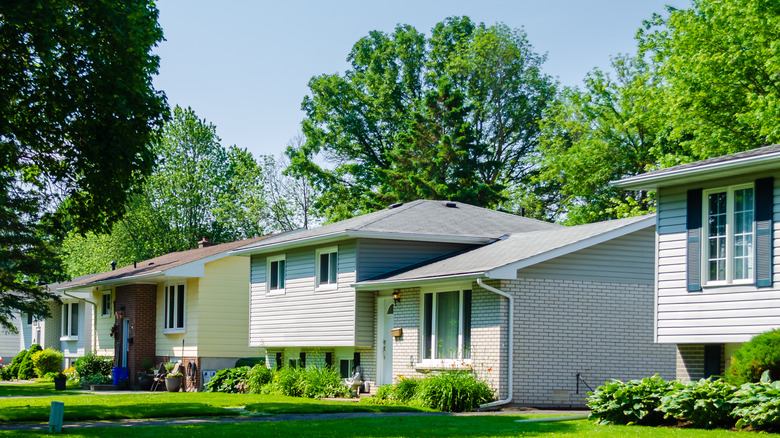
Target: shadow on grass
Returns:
[326, 408]
[75, 412]
[33, 389]
[387, 427]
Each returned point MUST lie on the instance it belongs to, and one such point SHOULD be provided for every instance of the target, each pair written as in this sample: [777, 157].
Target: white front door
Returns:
[385, 341]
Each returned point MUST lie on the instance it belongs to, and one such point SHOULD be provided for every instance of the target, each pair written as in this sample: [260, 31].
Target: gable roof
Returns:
[421, 220]
[182, 263]
[504, 257]
[754, 160]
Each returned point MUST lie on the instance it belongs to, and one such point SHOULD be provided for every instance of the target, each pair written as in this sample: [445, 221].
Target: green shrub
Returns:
[758, 404]
[321, 382]
[452, 391]
[706, 403]
[257, 377]
[47, 361]
[90, 366]
[633, 402]
[762, 353]
[12, 370]
[26, 370]
[230, 380]
[285, 382]
[405, 390]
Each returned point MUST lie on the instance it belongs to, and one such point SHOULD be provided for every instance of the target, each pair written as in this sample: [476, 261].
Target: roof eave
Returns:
[421, 281]
[353, 234]
[704, 172]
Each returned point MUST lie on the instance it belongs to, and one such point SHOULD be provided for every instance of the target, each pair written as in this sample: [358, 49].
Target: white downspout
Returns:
[510, 349]
[93, 341]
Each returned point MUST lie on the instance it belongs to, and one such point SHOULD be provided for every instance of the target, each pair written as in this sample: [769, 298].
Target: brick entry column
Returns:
[140, 310]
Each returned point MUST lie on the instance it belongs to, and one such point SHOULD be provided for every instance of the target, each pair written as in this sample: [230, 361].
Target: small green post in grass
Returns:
[55, 416]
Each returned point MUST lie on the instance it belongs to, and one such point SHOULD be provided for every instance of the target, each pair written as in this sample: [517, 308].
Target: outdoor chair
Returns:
[159, 376]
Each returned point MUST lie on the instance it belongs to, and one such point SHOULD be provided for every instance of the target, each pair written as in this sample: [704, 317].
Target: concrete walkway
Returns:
[268, 418]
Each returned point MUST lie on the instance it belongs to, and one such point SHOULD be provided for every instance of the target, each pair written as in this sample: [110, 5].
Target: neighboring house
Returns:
[715, 246]
[188, 306]
[69, 335]
[426, 285]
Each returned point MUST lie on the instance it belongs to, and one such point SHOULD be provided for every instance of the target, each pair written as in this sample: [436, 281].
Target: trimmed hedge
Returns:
[760, 354]
[47, 361]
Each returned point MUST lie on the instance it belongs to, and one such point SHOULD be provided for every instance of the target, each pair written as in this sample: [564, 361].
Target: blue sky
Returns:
[244, 65]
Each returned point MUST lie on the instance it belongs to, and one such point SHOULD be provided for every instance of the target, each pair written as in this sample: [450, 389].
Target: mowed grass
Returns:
[85, 407]
[389, 427]
[31, 389]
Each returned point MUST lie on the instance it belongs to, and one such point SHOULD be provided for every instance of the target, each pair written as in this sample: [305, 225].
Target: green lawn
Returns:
[109, 406]
[30, 389]
[429, 427]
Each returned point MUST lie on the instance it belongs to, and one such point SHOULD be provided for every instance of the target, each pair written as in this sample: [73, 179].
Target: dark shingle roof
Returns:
[161, 263]
[423, 219]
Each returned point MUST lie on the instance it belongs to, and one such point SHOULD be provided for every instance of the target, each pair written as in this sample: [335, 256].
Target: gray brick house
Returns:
[431, 285]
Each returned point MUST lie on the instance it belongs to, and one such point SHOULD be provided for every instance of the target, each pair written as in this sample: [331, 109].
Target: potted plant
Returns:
[60, 382]
[173, 382]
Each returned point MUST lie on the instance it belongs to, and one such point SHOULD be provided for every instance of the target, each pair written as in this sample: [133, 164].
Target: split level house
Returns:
[538, 310]
[716, 256]
[188, 306]
[67, 329]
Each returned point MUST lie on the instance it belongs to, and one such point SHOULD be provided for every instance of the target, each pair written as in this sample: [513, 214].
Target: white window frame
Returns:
[350, 365]
[332, 283]
[281, 279]
[69, 327]
[174, 311]
[434, 361]
[730, 228]
[105, 295]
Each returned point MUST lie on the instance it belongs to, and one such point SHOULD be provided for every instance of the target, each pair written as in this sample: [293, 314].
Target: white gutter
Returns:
[510, 339]
[94, 317]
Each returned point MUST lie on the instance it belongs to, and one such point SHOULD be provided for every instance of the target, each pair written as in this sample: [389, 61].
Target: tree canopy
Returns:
[452, 116]
[77, 111]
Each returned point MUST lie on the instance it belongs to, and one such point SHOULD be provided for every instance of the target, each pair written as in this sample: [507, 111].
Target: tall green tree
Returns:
[453, 116]
[77, 111]
[198, 189]
[721, 63]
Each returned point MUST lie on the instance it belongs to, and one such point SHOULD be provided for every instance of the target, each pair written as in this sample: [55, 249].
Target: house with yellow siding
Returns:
[189, 306]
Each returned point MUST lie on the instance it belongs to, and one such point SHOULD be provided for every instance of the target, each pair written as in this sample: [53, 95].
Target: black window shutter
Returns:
[356, 359]
[329, 359]
[302, 362]
[764, 203]
[278, 361]
[694, 232]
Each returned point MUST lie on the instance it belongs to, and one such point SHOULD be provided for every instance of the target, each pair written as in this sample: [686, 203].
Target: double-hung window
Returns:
[174, 308]
[70, 321]
[277, 274]
[327, 267]
[105, 304]
[447, 325]
[729, 240]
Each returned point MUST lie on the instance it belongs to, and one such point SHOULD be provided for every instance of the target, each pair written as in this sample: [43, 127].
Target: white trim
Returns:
[282, 277]
[67, 325]
[433, 361]
[103, 294]
[352, 234]
[331, 285]
[729, 258]
[175, 329]
[702, 172]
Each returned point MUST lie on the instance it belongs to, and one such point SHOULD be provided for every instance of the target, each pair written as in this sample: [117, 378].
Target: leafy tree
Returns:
[721, 63]
[198, 189]
[78, 110]
[605, 132]
[453, 116]
[290, 198]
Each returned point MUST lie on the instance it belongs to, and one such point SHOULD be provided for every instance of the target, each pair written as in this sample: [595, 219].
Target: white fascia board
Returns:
[700, 173]
[145, 277]
[381, 284]
[351, 234]
[509, 271]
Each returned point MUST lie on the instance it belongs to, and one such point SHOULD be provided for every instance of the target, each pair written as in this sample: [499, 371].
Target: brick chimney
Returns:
[205, 243]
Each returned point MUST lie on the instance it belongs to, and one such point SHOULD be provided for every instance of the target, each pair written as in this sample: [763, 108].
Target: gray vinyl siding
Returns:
[365, 320]
[716, 314]
[378, 256]
[303, 316]
[12, 343]
[627, 259]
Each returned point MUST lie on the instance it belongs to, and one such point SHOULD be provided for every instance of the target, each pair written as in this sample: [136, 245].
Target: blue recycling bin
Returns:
[119, 374]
